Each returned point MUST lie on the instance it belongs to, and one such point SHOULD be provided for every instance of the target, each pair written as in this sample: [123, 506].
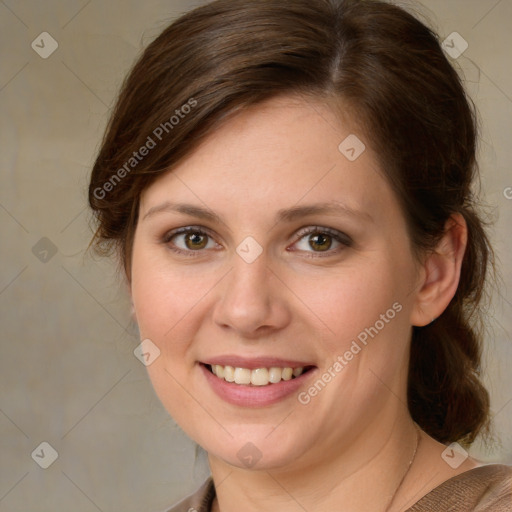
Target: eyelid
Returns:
[186, 229]
[339, 235]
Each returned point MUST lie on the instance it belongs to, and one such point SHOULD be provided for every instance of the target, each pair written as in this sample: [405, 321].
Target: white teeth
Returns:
[256, 377]
[297, 371]
[287, 373]
[274, 375]
[259, 377]
[242, 376]
[229, 373]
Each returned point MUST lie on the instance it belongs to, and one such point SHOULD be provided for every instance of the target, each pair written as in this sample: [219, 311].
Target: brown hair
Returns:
[371, 56]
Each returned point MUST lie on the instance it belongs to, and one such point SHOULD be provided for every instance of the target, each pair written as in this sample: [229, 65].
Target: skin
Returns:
[354, 441]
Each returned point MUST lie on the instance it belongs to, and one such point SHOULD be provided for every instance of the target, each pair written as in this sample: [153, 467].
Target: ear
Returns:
[440, 273]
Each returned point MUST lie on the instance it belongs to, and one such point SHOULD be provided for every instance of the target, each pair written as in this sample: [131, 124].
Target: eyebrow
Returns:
[186, 209]
[330, 208]
[284, 215]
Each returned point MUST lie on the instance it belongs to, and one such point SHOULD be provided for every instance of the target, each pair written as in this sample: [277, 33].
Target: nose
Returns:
[252, 302]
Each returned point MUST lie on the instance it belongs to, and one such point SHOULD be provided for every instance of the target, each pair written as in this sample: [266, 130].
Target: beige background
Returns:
[68, 375]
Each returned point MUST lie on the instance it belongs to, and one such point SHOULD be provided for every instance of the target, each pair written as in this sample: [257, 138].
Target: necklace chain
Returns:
[418, 438]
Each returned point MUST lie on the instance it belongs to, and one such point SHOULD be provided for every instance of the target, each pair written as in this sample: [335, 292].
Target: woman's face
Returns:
[270, 249]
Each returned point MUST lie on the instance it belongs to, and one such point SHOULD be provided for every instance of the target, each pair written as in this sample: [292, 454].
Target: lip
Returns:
[255, 396]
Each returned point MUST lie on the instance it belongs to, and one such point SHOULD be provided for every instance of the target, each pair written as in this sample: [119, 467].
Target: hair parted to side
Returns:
[365, 55]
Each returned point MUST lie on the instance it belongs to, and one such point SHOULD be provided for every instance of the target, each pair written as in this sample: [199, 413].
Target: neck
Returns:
[366, 475]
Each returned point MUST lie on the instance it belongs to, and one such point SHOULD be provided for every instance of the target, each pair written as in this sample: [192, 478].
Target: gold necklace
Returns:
[418, 438]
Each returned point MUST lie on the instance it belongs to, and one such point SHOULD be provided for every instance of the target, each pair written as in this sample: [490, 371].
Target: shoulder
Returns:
[200, 501]
[483, 489]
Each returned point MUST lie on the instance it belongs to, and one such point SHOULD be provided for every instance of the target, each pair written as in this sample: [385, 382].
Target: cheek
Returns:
[349, 300]
[164, 298]
[363, 314]
[166, 308]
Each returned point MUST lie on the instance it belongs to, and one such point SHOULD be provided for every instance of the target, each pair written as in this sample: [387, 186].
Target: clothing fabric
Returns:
[483, 489]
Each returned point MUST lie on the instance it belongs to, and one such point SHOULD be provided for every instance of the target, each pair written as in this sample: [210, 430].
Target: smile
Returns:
[256, 376]
[255, 383]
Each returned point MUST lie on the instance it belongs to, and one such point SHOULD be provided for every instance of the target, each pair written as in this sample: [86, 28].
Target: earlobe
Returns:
[441, 273]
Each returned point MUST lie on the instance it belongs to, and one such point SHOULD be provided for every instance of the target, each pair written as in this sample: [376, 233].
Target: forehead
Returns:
[278, 154]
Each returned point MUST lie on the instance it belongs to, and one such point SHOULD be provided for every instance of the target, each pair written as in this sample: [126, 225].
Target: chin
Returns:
[256, 450]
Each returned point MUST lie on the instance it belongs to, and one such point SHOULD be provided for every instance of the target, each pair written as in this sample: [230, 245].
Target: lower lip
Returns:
[254, 396]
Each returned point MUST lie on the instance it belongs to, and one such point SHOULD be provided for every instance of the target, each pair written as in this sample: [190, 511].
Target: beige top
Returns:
[483, 489]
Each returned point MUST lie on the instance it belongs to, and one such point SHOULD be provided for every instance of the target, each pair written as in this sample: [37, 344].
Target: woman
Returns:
[288, 188]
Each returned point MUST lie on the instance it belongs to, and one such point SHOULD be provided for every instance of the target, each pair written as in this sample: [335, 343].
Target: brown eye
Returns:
[320, 242]
[317, 240]
[189, 240]
[195, 241]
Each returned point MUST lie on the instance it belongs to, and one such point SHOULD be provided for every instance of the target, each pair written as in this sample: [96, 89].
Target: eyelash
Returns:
[343, 239]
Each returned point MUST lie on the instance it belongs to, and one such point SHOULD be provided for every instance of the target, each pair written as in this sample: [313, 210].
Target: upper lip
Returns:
[255, 362]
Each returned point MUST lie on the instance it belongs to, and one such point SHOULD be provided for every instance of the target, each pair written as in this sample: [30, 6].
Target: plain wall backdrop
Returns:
[68, 375]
